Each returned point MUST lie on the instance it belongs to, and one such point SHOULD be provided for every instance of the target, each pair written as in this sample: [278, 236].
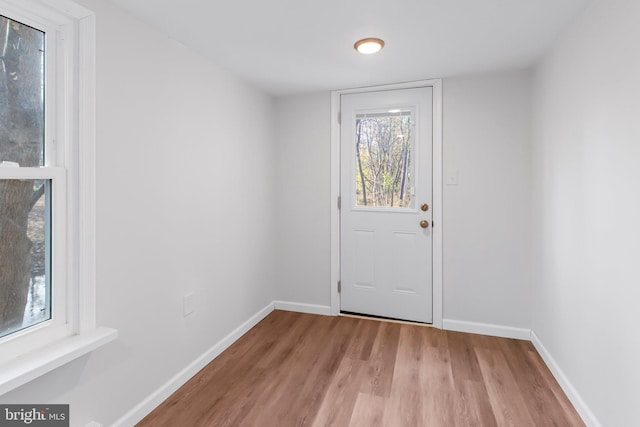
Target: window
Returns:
[384, 159]
[25, 204]
[46, 188]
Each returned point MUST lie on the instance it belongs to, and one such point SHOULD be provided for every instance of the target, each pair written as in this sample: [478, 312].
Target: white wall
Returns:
[486, 230]
[190, 228]
[302, 191]
[486, 235]
[587, 197]
[185, 187]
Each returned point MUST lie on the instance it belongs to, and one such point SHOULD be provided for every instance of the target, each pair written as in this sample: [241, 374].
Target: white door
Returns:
[386, 193]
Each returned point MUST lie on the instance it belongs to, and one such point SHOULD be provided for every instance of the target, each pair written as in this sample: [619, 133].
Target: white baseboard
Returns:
[324, 310]
[486, 329]
[167, 389]
[576, 400]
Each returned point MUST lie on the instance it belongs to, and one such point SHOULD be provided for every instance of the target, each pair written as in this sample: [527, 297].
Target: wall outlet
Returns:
[187, 304]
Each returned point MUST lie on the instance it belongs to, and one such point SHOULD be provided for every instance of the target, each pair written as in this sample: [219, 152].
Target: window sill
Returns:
[21, 370]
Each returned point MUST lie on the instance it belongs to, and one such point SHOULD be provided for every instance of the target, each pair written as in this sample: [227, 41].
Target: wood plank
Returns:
[382, 360]
[508, 404]
[363, 335]
[472, 399]
[207, 389]
[296, 369]
[255, 374]
[439, 407]
[340, 400]
[368, 411]
[568, 411]
[288, 379]
[533, 385]
[284, 337]
[406, 390]
[473, 405]
[318, 375]
[464, 363]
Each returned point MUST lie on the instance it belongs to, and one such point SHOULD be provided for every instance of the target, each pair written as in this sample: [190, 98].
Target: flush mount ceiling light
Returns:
[369, 45]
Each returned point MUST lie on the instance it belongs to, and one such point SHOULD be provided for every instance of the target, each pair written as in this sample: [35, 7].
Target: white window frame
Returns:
[70, 165]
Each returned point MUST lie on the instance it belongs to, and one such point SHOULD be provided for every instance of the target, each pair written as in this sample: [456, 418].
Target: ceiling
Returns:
[292, 46]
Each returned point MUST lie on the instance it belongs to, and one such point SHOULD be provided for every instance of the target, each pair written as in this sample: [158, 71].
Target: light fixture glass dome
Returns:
[369, 45]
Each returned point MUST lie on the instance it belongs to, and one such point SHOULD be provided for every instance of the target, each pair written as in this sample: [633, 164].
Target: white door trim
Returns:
[436, 84]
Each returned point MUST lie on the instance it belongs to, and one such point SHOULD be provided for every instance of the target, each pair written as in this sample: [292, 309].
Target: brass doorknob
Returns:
[424, 223]
[424, 207]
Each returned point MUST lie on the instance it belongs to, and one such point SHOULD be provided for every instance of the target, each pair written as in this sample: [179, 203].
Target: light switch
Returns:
[451, 177]
[187, 304]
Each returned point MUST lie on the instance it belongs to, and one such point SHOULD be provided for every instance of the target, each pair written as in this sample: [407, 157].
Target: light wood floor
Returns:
[297, 369]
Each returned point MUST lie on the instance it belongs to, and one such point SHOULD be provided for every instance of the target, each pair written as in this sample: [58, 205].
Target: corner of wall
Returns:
[572, 394]
[487, 329]
[142, 409]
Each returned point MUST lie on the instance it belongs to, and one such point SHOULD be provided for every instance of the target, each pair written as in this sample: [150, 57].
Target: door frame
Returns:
[436, 85]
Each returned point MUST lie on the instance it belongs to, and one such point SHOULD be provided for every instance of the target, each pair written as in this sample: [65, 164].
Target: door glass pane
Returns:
[24, 254]
[21, 93]
[384, 159]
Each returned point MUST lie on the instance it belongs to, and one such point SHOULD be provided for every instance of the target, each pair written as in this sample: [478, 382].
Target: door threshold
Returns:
[383, 319]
